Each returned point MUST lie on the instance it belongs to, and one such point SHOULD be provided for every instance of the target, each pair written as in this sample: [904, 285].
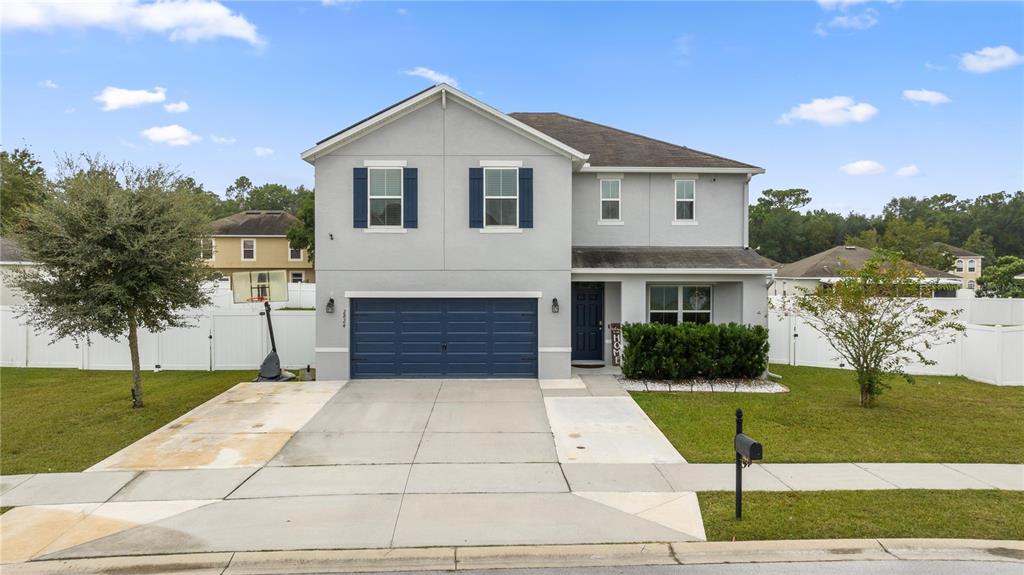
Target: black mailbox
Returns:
[747, 448]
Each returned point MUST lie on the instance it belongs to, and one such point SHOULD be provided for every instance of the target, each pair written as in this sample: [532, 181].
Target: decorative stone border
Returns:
[703, 385]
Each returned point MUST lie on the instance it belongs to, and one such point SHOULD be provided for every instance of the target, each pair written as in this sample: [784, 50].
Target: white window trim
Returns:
[385, 163]
[960, 265]
[370, 197]
[679, 299]
[486, 197]
[213, 249]
[385, 230]
[501, 163]
[241, 244]
[601, 221]
[971, 284]
[676, 200]
[972, 266]
[675, 205]
[292, 273]
[290, 258]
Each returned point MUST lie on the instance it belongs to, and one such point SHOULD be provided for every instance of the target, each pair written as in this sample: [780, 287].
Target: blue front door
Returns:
[587, 320]
[426, 337]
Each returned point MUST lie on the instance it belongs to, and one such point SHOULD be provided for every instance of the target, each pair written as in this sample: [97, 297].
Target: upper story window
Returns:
[970, 265]
[675, 304]
[294, 254]
[501, 197]
[686, 201]
[959, 265]
[206, 248]
[611, 200]
[248, 250]
[385, 197]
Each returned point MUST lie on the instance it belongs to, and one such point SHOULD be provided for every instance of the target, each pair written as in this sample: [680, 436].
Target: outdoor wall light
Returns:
[554, 305]
[330, 305]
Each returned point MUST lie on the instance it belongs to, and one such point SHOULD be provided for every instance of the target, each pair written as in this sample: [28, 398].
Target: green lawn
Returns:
[68, 419]
[864, 514]
[937, 419]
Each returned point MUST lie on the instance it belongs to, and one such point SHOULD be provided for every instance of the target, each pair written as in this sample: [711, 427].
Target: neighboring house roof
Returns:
[254, 223]
[692, 259]
[11, 252]
[827, 264]
[958, 252]
[612, 147]
[414, 102]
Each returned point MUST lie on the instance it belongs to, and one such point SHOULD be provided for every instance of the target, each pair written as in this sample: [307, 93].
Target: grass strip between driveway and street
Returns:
[938, 419]
[68, 419]
[864, 514]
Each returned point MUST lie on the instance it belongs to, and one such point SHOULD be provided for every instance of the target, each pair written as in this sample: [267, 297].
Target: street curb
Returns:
[532, 556]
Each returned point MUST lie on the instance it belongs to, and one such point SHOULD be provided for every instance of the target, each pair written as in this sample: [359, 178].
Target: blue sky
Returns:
[802, 89]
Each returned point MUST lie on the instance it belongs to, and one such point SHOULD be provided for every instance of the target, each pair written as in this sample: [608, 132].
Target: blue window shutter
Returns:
[409, 197]
[359, 207]
[526, 197]
[476, 197]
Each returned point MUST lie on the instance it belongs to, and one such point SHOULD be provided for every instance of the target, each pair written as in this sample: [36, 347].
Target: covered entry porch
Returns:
[622, 285]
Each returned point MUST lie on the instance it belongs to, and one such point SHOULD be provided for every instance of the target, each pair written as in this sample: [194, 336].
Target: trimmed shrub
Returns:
[689, 350]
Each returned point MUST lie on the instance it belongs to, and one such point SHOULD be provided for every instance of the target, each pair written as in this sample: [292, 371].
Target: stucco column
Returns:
[634, 300]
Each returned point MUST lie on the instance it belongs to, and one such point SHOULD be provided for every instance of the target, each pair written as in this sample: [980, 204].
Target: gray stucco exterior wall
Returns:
[648, 208]
[443, 254]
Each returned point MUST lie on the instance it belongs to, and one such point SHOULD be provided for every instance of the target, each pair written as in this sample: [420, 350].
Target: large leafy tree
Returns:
[875, 320]
[302, 233]
[998, 278]
[118, 251]
[22, 182]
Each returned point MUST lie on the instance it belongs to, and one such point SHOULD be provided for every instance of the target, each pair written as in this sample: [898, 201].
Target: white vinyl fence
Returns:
[990, 351]
[224, 336]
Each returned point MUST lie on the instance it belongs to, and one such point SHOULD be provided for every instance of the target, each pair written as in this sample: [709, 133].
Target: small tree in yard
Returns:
[118, 249]
[876, 321]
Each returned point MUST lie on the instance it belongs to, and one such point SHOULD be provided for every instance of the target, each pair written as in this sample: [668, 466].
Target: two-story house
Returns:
[256, 240]
[454, 240]
[967, 265]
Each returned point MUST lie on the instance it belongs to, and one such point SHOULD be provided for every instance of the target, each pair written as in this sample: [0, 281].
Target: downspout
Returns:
[746, 211]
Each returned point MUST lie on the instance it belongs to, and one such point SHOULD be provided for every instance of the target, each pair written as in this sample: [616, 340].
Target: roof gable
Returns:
[414, 102]
[829, 263]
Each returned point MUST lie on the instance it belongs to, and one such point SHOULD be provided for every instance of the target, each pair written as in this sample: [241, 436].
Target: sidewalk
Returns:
[553, 556]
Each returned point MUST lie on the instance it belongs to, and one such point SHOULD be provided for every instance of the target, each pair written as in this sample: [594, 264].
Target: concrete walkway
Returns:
[396, 464]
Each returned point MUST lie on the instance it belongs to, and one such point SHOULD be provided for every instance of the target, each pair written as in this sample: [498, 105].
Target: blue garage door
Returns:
[444, 338]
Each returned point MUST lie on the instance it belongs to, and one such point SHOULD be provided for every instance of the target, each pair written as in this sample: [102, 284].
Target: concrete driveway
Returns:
[371, 464]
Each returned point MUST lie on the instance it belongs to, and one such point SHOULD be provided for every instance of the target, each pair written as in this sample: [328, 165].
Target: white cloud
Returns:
[173, 135]
[866, 19]
[863, 168]
[180, 20]
[49, 84]
[176, 107]
[401, 12]
[684, 47]
[908, 171]
[926, 96]
[262, 152]
[432, 75]
[990, 59]
[222, 139]
[839, 4]
[117, 98]
[933, 67]
[834, 111]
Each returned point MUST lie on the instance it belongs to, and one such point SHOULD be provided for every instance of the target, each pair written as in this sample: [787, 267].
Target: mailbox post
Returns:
[747, 451]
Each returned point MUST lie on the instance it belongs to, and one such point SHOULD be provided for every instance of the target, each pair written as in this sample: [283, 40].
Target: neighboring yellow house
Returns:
[967, 266]
[257, 240]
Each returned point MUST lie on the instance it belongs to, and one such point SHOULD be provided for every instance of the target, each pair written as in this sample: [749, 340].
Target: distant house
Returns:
[967, 266]
[11, 256]
[256, 240]
[824, 268]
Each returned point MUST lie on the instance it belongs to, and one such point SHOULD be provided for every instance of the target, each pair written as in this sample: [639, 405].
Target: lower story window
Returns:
[676, 304]
[298, 277]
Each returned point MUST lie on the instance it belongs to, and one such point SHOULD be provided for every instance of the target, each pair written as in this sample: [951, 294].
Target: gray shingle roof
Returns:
[10, 251]
[828, 263]
[648, 257]
[609, 146]
[959, 252]
[254, 223]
